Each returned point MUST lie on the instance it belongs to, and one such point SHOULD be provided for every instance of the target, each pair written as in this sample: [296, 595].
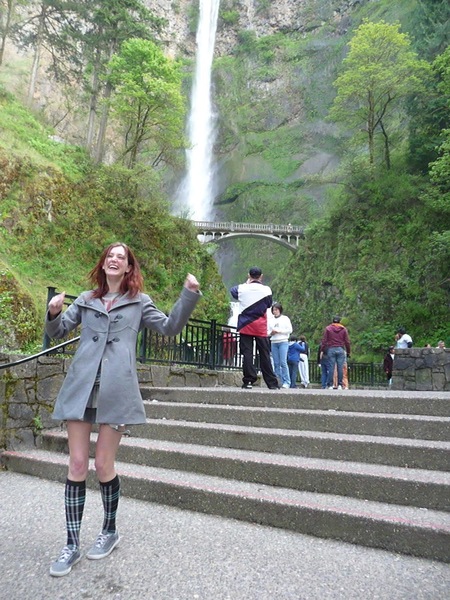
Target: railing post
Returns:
[143, 346]
[51, 291]
[213, 344]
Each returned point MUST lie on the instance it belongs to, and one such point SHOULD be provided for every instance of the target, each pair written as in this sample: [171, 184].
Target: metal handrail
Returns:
[42, 353]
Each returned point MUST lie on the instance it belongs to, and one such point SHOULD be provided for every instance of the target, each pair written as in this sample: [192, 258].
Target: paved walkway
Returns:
[170, 554]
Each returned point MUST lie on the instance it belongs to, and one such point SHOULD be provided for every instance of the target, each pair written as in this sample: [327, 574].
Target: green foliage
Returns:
[229, 17]
[19, 127]
[38, 425]
[147, 99]
[431, 27]
[379, 72]
[18, 318]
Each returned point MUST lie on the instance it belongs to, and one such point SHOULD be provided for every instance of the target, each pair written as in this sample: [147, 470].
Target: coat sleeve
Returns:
[62, 324]
[155, 319]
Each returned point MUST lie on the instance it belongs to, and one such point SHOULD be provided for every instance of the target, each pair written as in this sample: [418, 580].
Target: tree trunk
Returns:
[387, 152]
[371, 128]
[100, 147]
[36, 58]
[5, 32]
[93, 101]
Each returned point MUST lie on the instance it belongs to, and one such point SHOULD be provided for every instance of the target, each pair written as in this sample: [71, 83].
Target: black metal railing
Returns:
[59, 349]
[212, 345]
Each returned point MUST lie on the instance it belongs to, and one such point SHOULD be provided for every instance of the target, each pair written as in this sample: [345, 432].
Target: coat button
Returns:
[95, 338]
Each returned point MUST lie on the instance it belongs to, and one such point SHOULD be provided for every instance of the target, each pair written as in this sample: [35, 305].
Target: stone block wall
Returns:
[421, 369]
[28, 392]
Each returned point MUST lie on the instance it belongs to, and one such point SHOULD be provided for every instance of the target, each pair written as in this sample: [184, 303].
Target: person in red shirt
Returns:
[336, 343]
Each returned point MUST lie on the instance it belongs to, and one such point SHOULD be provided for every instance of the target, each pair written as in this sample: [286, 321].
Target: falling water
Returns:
[196, 192]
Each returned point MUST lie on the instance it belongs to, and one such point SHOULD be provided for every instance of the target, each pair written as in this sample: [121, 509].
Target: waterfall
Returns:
[196, 193]
[234, 309]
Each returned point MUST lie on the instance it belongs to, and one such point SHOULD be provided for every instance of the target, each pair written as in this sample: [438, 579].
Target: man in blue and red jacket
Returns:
[254, 299]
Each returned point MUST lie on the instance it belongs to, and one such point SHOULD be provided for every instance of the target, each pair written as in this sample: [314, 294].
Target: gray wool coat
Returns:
[109, 340]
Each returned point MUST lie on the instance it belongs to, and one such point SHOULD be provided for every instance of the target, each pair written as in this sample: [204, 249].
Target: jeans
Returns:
[324, 368]
[293, 372]
[336, 356]
[279, 355]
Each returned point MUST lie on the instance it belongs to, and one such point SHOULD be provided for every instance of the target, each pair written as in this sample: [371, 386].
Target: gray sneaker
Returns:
[104, 545]
[69, 556]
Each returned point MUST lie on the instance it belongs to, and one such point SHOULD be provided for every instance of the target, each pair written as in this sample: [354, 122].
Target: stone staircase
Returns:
[365, 467]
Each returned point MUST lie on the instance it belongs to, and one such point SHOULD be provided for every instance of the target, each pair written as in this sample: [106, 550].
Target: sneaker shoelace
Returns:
[101, 540]
[66, 553]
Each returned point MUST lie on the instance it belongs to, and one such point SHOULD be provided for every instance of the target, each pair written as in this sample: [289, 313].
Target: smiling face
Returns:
[116, 264]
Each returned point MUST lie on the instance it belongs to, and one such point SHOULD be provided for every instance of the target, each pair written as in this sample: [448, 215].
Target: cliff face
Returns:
[274, 67]
[263, 17]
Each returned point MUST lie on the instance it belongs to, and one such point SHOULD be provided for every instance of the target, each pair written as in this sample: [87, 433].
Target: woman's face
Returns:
[116, 263]
[276, 311]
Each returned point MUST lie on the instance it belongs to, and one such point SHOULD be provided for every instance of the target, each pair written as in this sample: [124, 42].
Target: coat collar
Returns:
[95, 303]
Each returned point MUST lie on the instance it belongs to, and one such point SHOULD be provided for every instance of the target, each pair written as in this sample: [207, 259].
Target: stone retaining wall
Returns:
[28, 392]
[422, 369]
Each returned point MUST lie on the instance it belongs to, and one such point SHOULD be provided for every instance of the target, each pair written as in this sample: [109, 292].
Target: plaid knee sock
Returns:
[110, 496]
[74, 499]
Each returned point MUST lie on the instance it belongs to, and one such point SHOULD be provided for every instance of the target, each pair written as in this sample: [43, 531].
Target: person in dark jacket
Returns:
[293, 359]
[102, 386]
[388, 363]
[336, 343]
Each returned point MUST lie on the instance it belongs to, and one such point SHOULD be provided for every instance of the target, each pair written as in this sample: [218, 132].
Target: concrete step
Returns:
[396, 485]
[400, 452]
[411, 530]
[359, 423]
[399, 402]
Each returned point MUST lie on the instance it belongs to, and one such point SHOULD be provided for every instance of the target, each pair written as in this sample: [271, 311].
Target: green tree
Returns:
[108, 23]
[430, 116]
[379, 73]
[431, 27]
[148, 101]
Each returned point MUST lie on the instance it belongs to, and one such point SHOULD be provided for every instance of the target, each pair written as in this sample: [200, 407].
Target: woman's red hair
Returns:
[133, 281]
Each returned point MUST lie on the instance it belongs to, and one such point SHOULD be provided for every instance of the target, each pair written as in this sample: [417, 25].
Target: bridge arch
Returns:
[287, 236]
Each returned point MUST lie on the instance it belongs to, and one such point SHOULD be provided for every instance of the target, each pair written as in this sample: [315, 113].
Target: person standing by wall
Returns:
[102, 385]
[280, 328]
[303, 365]
[403, 339]
[388, 364]
[336, 342]
[255, 300]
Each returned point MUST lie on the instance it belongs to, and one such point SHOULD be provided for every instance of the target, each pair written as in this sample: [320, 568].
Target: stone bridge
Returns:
[285, 235]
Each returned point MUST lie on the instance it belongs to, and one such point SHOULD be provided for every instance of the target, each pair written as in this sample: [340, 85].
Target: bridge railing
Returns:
[232, 226]
[215, 346]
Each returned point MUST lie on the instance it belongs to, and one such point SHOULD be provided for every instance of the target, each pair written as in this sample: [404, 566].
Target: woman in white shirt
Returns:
[280, 328]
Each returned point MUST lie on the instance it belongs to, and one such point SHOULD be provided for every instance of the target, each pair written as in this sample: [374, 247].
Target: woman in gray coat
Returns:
[102, 386]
